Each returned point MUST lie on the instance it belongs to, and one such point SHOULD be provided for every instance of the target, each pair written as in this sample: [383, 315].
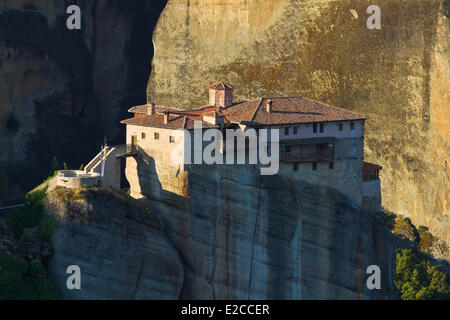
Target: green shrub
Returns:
[27, 217]
[426, 239]
[20, 280]
[417, 279]
[47, 229]
[30, 215]
[36, 269]
[55, 166]
[36, 197]
[389, 218]
[12, 264]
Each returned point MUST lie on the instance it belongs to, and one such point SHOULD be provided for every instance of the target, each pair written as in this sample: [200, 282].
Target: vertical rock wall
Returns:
[61, 91]
[246, 236]
[398, 76]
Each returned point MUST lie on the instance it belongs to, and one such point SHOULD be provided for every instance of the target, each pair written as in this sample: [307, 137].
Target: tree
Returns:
[417, 279]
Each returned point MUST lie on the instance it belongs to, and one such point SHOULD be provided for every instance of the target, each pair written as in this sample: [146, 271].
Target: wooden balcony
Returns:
[308, 156]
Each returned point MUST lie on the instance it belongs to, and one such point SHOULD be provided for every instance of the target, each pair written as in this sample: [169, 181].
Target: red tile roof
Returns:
[157, 121]
[144, 108]
[289, 110]
[221, 86]
[369, 167]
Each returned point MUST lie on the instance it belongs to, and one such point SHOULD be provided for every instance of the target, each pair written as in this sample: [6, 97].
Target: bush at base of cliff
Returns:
[417, 279]
[22, 280]
[32, 215]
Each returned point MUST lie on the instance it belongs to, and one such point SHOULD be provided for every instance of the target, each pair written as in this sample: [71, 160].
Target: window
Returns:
[295, 166]
[143, 135]
[156, 135]
[171, 139]
[220, 101]
[314, 165]
[321, 128]
[288, 148]
[314, 127]
[341, 127]
[352, 126]
[295, 130]
[331, 165]
[286, 131]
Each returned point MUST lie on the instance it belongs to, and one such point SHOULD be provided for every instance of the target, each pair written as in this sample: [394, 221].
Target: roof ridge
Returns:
[330, 105]
[256, 110]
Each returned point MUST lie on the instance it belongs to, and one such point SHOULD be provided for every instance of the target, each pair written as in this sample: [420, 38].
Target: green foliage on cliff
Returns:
[389, 218]
[22, 280]
[47, 229]
[30, 215]
[417, 279]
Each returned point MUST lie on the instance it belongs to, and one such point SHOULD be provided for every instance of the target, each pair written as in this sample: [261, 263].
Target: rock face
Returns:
[246, 236]
[120, 247]
[398, 76]
[62, 91]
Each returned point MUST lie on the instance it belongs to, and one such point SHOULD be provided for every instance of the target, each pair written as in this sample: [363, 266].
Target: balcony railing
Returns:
[126, 150]
[307, 156]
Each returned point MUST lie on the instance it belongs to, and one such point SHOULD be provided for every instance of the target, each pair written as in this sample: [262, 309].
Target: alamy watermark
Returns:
[74, 280]
[74, 20]
[374, 280]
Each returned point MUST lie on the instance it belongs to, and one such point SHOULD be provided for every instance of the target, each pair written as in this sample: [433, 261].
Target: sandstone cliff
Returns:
[119, 246]
[398, 76]
[237, 236]
[242, 235]
[61, 91]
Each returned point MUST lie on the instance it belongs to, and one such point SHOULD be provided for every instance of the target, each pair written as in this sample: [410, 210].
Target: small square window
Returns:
[314, 127]
[341, 127]
[143, 135]
[314, 165]
[352, 126]
[172, 139]
[156, 135]
[286, 131]
[295, 130]
[321, 128]
[295, 167]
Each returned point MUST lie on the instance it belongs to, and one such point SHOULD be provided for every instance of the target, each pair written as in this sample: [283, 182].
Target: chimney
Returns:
[166, 117]
[210, 118]
[269, 106]
[151, 109]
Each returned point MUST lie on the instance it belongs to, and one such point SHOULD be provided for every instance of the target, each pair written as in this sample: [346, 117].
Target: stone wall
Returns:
[112, 171]
[372, 195]
[161, 148]
[346, 175]
[75, 179]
